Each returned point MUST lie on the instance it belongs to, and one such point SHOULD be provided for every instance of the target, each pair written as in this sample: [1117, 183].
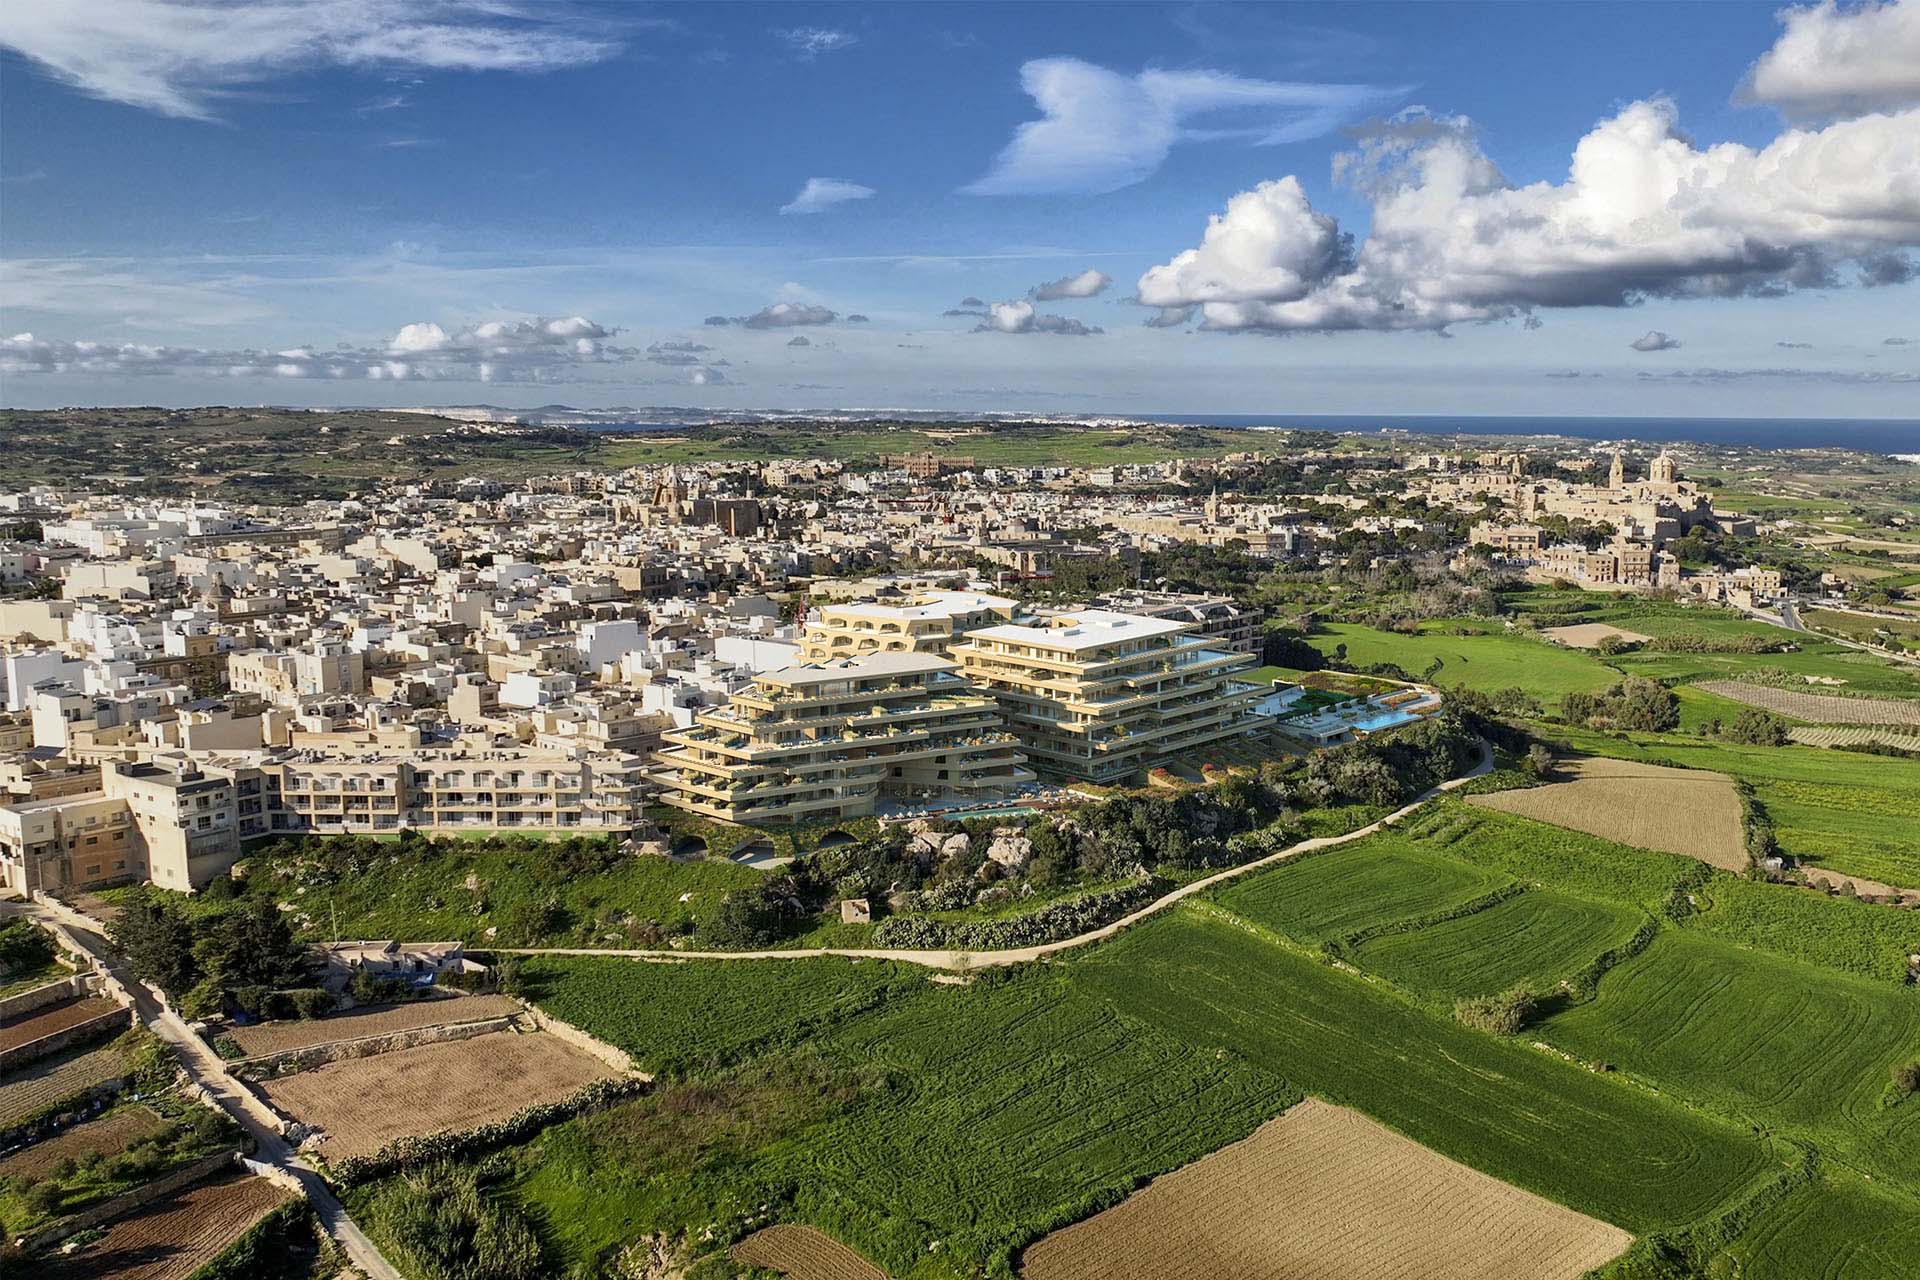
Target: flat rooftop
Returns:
[1083, 629]
[929, 605]
[860, 667]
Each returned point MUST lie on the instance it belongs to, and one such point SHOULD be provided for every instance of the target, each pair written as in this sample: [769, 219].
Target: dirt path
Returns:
[1024, 955]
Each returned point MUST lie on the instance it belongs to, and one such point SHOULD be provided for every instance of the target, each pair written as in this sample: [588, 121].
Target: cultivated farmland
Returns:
[362, 1104]
[1588, 635]
[1322, 1191]
[801, 1253]
[1835, 1228]
[1593, 1144]
[1818, 708]
[1536, 939]
[1686, 811]
[52, 1019]
[280, 1037]
[173, 1238]
[104, 1136]
[1781, 1044]
[1833, 736]
[56, 1079]
[1377, 881]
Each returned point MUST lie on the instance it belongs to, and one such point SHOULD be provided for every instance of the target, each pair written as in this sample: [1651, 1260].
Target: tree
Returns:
[1539, 761]
[251, 945]
[1757, 728]
[158, 944]
[1285, 647]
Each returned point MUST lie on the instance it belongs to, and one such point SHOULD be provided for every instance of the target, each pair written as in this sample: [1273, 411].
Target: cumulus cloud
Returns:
[971, 301]
[811, 42]
[1169, 317]
[799, 340]
[708, 377]
[1896, 342]
[496, 351]
[1832, 62]
[1101, 130]
[1794, 346]
[855, 317]
[781, 315]
[1887, 268]
[179, 57]
[1019, 316]
[691, 348]
[821, 194]
[1868, 377]
[1642, 213]
[1085, 285]
[1654, 340]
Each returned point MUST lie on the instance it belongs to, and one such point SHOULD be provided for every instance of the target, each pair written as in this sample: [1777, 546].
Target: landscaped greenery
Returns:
[1485, 658]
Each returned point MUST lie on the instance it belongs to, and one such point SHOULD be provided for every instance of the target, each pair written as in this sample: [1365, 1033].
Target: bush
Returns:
[1539, 762]
[1906, 1078]
[1502, 1015]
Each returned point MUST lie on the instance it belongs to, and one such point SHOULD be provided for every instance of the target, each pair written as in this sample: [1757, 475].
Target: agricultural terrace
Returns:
[1324, 1191]
[374, 1020]
[1817, 708]
[801, 1253]
[1691, 812]
[1842, 810]
[58, 1079]
[362, 1104]
[173, 1238]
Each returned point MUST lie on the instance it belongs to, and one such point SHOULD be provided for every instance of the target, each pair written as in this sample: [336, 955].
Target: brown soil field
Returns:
[365, 1103]
[1588, 635]
[1691, 812]
[1323, 1193]
[1817, 708]
[109, 1135]
[170, 1239]
[1832, 736]
[55, 1079]
[52, 1018]
[803, 1254]
[278, 1037]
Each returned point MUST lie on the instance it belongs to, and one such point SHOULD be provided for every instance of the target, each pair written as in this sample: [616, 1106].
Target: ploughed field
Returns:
[802, 1253]
[363, 1104]
[52, 1019]
[55, 1079]
[282, 1037]
[1818, 708]
[1691, 812]
[1323, 1191]
[108, 1135]
[173, 1238]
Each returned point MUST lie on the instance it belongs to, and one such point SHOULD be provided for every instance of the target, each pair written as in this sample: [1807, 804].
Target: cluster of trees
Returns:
[1503, 1015]
[1752, 727]
[1634, 703]
[1386, 770]
[24, 947]
[1286, 647]
[240, 957]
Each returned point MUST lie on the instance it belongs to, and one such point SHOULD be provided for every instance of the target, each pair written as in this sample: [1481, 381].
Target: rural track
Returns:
[204, 1067]
[964, 960]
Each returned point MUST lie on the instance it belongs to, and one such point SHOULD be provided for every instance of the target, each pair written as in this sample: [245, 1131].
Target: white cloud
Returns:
[1085, 285]
[1838, 62]
[810, 42]
[501, 350]
[781, 315]
[821, 194]
[178, 58]
[1643, 212]
[1019, 316]
[1101, 130]
[1654, 340]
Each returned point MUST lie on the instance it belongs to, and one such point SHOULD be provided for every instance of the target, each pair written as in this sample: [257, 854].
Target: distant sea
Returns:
[1881, 436]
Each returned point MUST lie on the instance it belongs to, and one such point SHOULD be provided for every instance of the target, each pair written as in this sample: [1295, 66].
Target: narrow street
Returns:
[202, 1065]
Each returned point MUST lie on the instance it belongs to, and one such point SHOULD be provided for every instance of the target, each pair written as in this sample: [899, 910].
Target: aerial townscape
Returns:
[602, 804]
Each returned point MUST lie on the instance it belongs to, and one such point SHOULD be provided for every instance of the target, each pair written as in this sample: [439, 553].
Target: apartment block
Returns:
[826, 740]
[1105, 696]
[927, 622]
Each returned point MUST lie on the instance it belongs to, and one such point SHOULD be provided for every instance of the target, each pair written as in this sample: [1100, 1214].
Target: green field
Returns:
[1548, 856]
[1835, 1228]
[1326, 896]
[1595, 1144]
[1536, 939]
[1790, 1048]
[1496, 660]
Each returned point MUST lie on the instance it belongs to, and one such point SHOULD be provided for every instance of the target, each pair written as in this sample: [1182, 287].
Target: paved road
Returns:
[203, 1066]
[1021, 955]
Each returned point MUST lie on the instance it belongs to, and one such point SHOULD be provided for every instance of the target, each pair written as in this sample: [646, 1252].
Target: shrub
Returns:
[1502, 1015]
[1906, 1078]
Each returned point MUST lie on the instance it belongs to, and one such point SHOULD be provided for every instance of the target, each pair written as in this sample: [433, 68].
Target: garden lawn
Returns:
[1787, 1046]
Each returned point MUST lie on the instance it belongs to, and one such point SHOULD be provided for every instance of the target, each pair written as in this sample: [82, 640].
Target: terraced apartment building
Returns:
[827, 739]
[1104, 696]
[927, 622]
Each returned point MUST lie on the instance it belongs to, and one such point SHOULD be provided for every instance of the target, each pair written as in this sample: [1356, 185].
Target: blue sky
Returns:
[291, 203]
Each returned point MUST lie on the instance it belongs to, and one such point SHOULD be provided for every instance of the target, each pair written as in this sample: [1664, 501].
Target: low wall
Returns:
[52, 992]
[618, 1059]
[313, 1055]
[127, 1201]
[34, 1050]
